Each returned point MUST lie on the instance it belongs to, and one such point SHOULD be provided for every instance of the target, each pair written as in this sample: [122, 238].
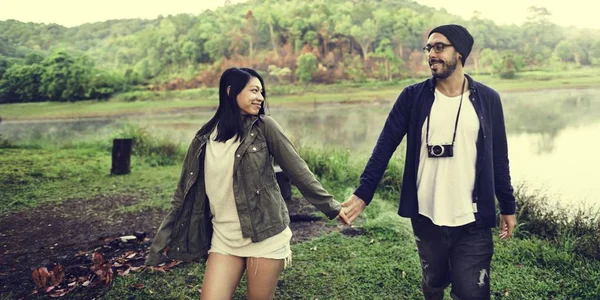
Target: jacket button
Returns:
[258, 192]
[252, 134]
[253, 148]
[191, 173]
[238, 155]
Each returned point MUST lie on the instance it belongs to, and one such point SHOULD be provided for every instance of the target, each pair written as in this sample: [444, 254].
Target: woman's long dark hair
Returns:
[228, 119]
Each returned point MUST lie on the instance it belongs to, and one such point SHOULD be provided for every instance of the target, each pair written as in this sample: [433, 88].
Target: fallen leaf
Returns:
[137, 286]
[59, 293]
[40, 277]
[172, 264]
[58, 274]
[97, 258]
[124, 272]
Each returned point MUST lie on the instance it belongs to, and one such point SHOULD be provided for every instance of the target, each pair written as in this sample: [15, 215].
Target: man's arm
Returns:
[502, 184]
[393, 131]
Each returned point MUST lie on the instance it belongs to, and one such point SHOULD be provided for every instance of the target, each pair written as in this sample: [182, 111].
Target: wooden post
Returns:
[121, 156]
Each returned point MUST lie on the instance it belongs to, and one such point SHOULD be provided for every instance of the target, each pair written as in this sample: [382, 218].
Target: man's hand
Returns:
[507, 225]
[353, 207]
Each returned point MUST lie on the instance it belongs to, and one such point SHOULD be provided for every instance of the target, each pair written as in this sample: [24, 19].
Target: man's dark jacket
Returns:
[492, 175]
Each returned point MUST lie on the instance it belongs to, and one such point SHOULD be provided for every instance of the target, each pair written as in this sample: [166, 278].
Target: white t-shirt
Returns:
[445, 185]
[227, 231]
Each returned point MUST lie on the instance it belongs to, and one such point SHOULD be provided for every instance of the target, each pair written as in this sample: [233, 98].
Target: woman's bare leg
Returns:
[263, 274]
[222, 276]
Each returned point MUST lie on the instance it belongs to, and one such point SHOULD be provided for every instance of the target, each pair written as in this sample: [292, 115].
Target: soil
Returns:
[68, 233]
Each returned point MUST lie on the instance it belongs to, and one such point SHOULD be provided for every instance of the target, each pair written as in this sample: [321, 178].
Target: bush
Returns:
[575, 231]
[157, 151]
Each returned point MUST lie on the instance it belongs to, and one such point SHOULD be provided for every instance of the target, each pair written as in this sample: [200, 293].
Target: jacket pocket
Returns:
[256, 157]
[268, 209]
[198, 237]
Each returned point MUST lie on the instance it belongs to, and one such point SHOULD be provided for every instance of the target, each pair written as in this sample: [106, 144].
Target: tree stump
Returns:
[121, 156]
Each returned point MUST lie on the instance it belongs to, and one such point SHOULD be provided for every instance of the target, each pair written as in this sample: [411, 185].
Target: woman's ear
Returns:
[228, 89]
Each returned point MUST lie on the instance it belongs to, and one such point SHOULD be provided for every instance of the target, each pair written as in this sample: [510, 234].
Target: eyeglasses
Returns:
[437, 47]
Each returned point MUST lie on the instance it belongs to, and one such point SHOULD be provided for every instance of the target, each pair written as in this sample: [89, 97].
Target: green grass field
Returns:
[382, 263]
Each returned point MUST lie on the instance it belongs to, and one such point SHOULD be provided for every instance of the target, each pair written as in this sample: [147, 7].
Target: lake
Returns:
[553, 135]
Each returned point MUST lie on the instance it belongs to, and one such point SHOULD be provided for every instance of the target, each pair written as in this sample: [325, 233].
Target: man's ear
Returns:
[228, 89]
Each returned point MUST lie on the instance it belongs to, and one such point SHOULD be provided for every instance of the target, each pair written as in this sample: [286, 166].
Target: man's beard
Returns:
[448, 68]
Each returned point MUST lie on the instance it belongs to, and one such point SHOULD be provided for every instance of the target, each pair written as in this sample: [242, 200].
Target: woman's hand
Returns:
[342, 217]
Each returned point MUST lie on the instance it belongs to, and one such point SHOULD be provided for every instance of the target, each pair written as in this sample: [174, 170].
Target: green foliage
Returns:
[574, 231]
[307, 65]
[355, 69]
[22, 83]
[508, 65]
[156, 151]
[58, 77]
[369, 40]
[380, 254]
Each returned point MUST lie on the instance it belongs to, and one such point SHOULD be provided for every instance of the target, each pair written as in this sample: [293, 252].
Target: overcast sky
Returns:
[580, 13]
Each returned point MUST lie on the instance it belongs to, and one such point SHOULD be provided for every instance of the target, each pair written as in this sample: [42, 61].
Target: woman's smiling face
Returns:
[250, 99]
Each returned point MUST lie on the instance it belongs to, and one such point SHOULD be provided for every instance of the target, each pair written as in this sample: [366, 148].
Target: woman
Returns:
[228, 204]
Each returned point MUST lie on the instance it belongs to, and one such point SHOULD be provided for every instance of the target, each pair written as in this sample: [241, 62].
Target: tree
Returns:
[307, 64]
[508, 65]
[4, 65]
[65, 78]
[391, 62]
[21, 83]
[487, 58]
[364, 35]
[189, 52]
[541, 36]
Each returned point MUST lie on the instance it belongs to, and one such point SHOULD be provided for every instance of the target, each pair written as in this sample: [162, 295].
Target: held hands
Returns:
[507, 225]
[351, 209]
[343, 218]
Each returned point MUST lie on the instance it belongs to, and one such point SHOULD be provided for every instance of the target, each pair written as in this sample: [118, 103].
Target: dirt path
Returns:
[66, 233]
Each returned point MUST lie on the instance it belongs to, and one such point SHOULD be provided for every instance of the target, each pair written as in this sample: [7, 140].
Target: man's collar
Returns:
[431, 82]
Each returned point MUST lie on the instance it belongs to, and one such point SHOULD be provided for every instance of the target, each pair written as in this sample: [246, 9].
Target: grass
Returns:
[380, 264]
[142, 102]
[39, 173]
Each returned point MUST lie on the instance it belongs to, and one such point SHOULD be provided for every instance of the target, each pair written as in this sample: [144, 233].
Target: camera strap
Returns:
[457, 116]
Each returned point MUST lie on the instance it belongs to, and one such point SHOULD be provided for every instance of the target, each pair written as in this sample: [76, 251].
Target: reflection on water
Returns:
[552, 135]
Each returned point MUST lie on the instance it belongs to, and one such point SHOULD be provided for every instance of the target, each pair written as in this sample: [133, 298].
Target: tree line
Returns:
[289, 41]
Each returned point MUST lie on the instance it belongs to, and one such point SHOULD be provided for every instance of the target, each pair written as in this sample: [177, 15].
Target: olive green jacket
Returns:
[186, 231]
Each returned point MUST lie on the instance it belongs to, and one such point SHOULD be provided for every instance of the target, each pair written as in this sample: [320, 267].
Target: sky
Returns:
[579, 13]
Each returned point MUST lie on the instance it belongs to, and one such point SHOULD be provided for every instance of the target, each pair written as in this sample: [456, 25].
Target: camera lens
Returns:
[437, 150]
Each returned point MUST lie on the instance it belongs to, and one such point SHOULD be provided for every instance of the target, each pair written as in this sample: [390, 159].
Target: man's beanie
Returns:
[460, 38]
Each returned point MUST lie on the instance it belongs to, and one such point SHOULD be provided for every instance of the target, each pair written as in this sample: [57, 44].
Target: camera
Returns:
[440, 150]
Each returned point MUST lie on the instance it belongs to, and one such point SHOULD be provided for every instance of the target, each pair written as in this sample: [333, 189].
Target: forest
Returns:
[287, 41]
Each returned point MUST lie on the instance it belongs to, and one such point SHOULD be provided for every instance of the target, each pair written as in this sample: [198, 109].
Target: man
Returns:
[456, 161]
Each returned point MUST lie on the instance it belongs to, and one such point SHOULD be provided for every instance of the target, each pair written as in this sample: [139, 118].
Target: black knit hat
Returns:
[460, 38]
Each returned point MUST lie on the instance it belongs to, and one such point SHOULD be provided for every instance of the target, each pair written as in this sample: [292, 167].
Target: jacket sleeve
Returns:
[393, 131]
[164, 233]
[502, 183]
[285, 154]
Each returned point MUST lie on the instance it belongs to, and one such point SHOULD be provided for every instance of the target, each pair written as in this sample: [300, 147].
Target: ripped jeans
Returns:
[458, 256]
